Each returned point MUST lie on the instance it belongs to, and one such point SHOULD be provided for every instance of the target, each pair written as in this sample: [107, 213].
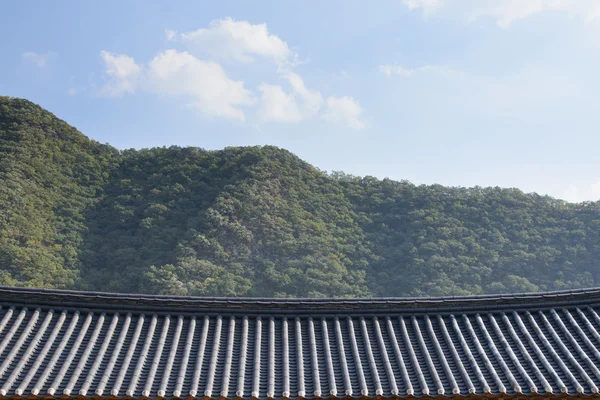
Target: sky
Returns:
[456, 92]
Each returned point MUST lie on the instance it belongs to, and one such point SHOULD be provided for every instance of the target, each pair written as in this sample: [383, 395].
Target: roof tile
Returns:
[78, 344]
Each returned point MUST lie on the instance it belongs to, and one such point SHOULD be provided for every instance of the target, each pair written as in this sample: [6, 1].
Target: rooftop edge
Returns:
[258, 305]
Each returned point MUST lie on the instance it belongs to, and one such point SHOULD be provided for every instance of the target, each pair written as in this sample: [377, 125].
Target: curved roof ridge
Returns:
[73, 298]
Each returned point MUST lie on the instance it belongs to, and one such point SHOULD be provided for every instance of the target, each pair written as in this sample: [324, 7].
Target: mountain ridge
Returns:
[242, 221]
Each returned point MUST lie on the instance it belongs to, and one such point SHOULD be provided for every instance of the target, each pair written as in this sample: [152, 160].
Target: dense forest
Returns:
[258, 221]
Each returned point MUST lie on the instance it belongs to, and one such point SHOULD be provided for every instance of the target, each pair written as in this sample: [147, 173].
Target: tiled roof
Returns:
[83, 344]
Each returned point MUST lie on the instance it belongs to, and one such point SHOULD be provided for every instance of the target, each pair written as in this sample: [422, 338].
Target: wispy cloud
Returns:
[428, 6]
[533, 88]
[170, 34]
[123, 74]
[344, 110]
[41, 60]
[506, 12]
[396, 69]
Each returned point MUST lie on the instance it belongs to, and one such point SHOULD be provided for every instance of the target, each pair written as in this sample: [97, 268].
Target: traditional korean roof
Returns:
[82, 344]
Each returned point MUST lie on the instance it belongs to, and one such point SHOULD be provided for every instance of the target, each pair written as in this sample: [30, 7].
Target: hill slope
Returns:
[49, 174]
[259, 221]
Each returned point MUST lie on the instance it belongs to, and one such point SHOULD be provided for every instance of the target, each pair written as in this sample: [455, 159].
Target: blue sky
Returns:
[457, 92]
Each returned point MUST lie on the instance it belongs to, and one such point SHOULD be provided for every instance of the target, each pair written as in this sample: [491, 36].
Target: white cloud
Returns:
[582, 192]
[505, 12]
[174, 73]
[123, 74]
[427, 6]
[41, 60]
[170, 34]
[213, 93]
[239, 41]
[276, 105]
[244, 42]
[396, 69]
[532, 88]
[344, 110]
[189, 74]
[301, 103]
[311, 99]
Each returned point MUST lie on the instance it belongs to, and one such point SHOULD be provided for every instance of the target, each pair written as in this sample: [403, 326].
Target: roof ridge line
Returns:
[72, 298]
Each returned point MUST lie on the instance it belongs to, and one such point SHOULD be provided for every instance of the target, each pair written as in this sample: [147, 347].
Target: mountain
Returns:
[259, 221]
[50, 174]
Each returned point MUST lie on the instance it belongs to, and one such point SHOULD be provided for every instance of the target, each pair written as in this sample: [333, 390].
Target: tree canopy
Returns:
[259, 221]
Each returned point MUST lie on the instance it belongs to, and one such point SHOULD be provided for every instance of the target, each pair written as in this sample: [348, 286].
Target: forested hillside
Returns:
[258, 221]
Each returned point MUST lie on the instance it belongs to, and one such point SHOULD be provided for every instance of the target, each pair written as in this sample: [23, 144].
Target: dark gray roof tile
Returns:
[76, 344]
